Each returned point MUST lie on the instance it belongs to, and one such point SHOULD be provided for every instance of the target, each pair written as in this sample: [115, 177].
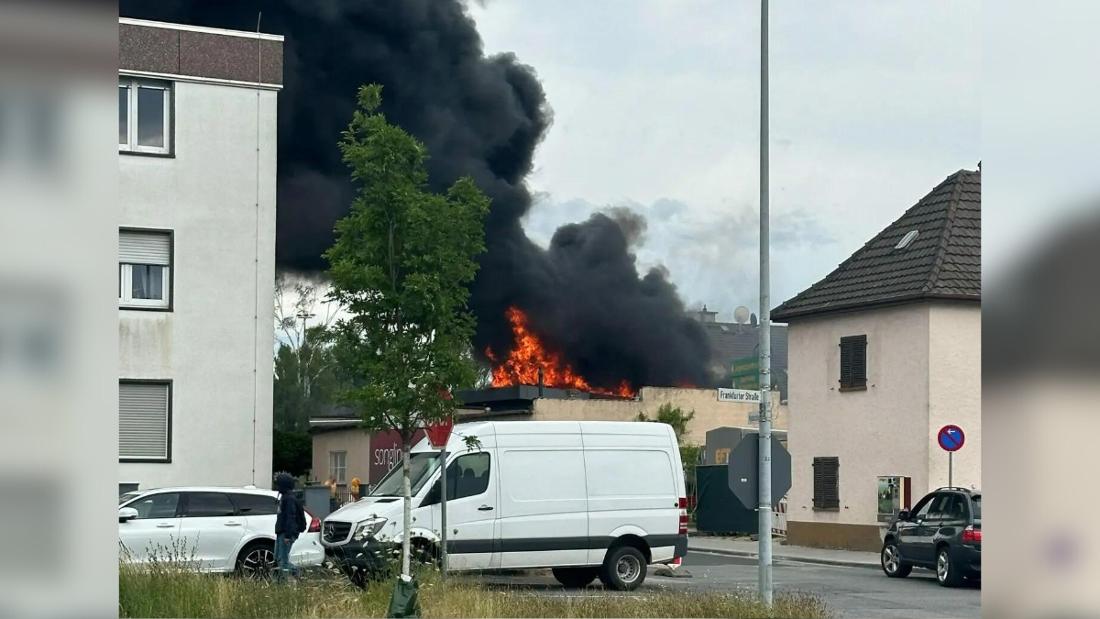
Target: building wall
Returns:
[955, 390]
[880, 431]
[709, 412]
[352, 440]
[215, 345]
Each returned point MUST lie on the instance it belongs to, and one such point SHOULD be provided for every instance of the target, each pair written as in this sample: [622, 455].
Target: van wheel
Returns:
[575, 577]
[623, 569]
[358, 578]
[424, 553]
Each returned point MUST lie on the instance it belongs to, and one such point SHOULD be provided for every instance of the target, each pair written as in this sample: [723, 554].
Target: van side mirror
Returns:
[126, 514]
[903, 515]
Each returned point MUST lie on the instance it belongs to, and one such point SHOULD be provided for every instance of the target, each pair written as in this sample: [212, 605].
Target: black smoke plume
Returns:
[479, 116]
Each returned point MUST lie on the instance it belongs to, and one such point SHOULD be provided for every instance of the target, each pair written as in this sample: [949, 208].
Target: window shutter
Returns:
[853, 361]
[827, 483]
[140, 247]
[143, 421]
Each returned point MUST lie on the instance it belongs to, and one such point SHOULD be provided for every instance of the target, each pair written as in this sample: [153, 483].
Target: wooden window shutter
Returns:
[853, 362]
[827, 483]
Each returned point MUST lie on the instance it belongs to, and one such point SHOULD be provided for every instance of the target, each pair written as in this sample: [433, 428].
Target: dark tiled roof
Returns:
[944, 261]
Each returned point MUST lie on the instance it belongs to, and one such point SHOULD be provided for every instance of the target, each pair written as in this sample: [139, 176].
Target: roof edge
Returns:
[860, 305]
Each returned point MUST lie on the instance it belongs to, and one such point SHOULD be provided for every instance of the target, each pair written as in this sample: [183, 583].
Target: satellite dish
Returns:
[741, 314]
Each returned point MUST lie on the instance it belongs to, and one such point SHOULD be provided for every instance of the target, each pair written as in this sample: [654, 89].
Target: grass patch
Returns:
[165, 592]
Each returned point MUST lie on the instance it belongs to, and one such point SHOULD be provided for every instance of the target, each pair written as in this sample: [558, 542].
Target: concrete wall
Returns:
[879, 431]
[955, 390]
[216, 343]
[709, 412]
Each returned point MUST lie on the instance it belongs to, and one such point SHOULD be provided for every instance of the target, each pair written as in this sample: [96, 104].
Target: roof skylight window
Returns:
[907, 239]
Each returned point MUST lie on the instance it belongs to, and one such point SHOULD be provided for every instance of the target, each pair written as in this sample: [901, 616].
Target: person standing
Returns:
[289, 524]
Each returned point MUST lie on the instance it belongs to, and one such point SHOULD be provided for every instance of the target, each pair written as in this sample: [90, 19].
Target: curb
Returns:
[814, 560]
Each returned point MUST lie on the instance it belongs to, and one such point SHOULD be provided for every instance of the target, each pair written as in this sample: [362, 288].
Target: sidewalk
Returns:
[744, 547]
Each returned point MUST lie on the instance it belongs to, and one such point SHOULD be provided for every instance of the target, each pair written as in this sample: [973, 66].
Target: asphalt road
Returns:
[850, 592]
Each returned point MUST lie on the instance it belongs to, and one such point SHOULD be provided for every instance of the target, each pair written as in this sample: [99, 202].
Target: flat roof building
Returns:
[197, 111]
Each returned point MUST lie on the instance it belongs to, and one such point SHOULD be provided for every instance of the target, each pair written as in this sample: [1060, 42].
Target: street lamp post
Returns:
[764, 466]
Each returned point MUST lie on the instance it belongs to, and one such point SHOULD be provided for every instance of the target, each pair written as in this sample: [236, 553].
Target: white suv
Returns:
[220, 529]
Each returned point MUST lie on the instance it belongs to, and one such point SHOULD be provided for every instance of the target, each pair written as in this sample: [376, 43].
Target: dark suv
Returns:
[943, 532]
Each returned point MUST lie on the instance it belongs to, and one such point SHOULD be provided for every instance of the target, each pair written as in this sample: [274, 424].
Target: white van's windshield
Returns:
[421, 467]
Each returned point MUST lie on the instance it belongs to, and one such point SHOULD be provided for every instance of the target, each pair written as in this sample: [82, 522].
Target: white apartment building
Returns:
[883, 352]
[197, 165]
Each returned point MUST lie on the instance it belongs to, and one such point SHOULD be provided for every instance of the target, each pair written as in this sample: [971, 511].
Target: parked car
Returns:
[219, 529]
[943, 532]
[587, 499]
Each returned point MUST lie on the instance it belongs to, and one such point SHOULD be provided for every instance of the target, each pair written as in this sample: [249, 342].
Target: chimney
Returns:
[704, 315]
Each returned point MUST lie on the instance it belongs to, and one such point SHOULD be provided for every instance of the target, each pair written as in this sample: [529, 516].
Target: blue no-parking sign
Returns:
[951, 438]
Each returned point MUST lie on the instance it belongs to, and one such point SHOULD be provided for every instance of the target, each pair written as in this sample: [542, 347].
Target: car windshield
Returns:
[421, 467]
[128, 496]
[976, 501]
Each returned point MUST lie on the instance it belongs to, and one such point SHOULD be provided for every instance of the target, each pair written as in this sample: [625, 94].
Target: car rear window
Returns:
[976, 501]
[208, 504]
[255, 504]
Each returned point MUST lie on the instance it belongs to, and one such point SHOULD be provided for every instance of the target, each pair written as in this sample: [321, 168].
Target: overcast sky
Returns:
[656, 107]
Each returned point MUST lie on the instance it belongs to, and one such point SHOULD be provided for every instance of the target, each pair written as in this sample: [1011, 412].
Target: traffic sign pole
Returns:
[764, 506]
[951, 439]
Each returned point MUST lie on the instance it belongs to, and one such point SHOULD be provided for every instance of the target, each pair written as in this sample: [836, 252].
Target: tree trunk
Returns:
[407, 491]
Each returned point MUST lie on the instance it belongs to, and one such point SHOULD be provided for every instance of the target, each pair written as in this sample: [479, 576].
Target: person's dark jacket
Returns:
[290, 520]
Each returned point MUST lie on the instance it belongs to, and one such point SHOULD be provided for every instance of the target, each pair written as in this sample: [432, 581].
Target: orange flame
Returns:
[529, 355]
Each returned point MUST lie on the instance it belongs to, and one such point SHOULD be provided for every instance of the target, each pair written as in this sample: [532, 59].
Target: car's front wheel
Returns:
[257, 560]
[946, 573]
[892, 564]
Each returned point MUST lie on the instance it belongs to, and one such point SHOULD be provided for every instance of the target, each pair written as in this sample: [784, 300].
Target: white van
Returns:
[587, 499]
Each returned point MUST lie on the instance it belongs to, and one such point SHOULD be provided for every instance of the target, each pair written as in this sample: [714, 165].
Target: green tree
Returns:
[673, 416]
[400, 267]
[306, 381]
[292, 452]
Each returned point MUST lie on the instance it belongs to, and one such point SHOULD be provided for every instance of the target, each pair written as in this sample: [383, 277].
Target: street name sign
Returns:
[738, 395]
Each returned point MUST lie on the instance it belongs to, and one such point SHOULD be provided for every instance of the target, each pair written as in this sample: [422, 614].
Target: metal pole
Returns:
[443, 508]
[950, 469]
[764, 466]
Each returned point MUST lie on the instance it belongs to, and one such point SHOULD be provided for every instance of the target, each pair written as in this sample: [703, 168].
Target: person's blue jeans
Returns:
[282, 558]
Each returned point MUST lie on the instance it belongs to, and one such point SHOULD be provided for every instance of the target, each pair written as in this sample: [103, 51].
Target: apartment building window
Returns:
[144, 116]
[853, 362]
[827, 483]
[144, 269]
[338, 466]
[144, 421]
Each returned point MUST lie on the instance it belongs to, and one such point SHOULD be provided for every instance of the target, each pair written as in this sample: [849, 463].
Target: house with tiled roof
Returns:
[883, 352]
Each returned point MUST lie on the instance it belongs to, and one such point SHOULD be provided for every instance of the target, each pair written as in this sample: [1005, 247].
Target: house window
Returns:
[144, 269]
[827, 483]
[338, 466]
[144, 421]
[853, 362]
[144, 116]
